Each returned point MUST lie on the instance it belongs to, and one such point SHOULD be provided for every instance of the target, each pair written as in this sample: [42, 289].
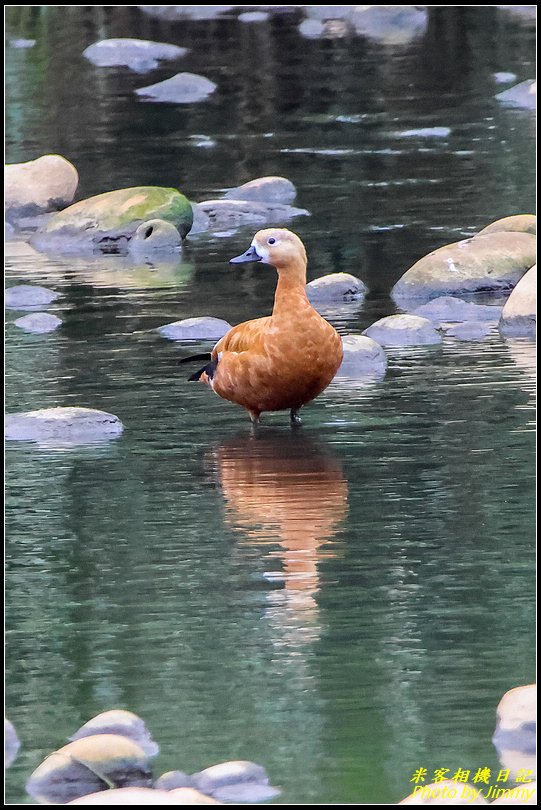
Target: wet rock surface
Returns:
[120, 721]
[38, 322]
[203, 328]
[45, 184]
[335, 287]
[519, 315]
[137, 54]
[184, 88]
[362, 356]
[403, 330]
[70, 424]
[29, 296]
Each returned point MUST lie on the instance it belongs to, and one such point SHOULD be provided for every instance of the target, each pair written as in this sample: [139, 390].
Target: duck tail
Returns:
[206, 373]
[194, 357]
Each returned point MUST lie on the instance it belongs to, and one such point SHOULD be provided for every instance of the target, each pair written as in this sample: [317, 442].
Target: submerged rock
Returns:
[245, 792]
[11, 743]
[504, 77]
[448, 309]
[172, 780]
[129, 795]
[89, 765]
[204, 328]
[222, 214]
[403, 330]
[45, 184]
[38, 322]
[522, 223]
[253, 16]
[469, 330]
[110, 220]
[229, 773]
[390, 25]
[155, 235]
[182, 12]
[492, 262]
[29, 296]
[22, 43]
[138, 54]
[71, 424]
[521, 95]
[120, 721]
[519, 316]
[335, 287]
[446, 792]
[265, 189]
[362, 357]
[184, 88]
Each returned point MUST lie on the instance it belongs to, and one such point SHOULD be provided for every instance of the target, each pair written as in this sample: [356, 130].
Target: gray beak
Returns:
[251, 255]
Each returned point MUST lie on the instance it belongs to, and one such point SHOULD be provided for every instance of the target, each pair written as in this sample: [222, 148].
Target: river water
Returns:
[342, 604]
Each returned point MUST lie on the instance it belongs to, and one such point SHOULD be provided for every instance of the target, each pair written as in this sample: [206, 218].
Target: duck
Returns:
[282, 361]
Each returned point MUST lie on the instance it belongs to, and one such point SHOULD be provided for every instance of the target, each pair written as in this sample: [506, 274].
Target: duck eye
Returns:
[271, 240]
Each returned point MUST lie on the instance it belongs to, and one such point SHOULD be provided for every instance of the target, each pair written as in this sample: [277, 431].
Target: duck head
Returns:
[278, 247]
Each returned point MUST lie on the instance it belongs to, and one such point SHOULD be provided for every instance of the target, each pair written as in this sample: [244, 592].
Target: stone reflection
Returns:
[287, 488]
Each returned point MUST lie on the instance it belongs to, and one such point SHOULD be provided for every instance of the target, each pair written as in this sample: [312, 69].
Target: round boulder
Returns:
[29, 296]
[229, 773]
[72, 424]
[519, 316]
[183, 88]
[120, 721]
[403, 330]
[265, 189]
[38, 322]
[137, 54]
[221, 215]
[11, 743]
[448, 309]
[492, 262]
[155, 235]
[522, 95]
[45, 184]
[522, 223]
[204, 328]
[172, 780]
[362, 356]
[335, 287]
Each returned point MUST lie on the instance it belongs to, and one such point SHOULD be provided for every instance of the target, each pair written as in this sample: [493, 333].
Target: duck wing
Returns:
[247, 336]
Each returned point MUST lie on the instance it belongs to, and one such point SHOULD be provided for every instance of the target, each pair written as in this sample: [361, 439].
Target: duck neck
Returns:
[291, 286]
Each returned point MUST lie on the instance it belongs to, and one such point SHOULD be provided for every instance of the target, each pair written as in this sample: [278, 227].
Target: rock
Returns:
[521, 95]
[403, 330]
[519, 313]
[446, 792]
[491, 262]
[191, 796]
[245, 792]
[182, 12]
[425, 132]
[469, 330]
[265, 189]
[108, 221]
[11, 743]
[390, 25]
[504, 77]
[128, 795]
[229, 773]
[254, 16]
[204, 328]
[71, 424]
[86, 766]
[521, 794]
[155, 235]
[29, 296]
[137, 54]
[38, 322]
[218, 215]
[335, 287]
[172, 780]
[362, 356]
[311, 29]
[40, 185]
[516, 722]
[183, 88]
[119, 721]
[447, 309]
[22, 43]
[522, 223]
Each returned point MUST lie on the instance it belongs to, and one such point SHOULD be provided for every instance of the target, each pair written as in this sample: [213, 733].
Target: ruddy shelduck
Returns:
[284, 360]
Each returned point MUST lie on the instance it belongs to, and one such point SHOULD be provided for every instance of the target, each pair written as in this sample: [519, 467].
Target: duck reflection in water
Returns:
[288, 489]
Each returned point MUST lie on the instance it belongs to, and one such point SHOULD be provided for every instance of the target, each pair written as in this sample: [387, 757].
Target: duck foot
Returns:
[295, 418]
[254, 417]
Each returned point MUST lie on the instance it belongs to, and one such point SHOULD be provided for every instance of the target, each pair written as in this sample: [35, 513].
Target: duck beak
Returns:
[251, 255]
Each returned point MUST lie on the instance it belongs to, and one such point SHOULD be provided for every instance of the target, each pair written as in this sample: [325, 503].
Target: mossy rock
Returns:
[112, 218]
[522, 223]
[488, 263]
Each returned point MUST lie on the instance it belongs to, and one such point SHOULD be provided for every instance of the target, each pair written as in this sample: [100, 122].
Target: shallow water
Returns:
[345, 603]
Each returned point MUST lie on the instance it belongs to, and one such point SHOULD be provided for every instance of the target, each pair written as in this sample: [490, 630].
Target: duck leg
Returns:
[295, 418]
[254, 417]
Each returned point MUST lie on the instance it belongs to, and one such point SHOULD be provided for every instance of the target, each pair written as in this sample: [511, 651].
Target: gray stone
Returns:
[137, 54]
[335, 287]
[70, 424]
[29, 297]
[362, 356]
[45, 184]
[186, 12]
[390, 25]
[173, 779]
[503, 77]
[311, 29]
[519, 317]
[425, 132]
[11, 743]
[403, 330]
[229, 773]
[522, 95]
[220, 215]
[119, 721]
[183, 88]
[203, 328]
[38, 322]
[155, 235]
[265, 189]
[254, 16]
[448, 309]
[245, 792]
[22, 43]
[469, 330]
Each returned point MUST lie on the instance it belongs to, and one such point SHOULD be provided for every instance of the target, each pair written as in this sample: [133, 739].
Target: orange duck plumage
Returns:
[286, 359]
